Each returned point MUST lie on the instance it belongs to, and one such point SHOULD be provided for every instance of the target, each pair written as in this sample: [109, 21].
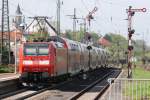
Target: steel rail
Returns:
[101, 92]
[76, 96]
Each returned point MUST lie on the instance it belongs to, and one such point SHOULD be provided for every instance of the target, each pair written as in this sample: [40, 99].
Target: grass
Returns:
[139, 89]
[141, 73]
[6, 69]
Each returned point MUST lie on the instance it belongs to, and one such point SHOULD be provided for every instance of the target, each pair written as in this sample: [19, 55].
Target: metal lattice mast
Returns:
[74, 23]
[5, 35]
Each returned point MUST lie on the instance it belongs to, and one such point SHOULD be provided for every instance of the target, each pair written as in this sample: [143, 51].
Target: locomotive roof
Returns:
[55, 39]
[69, 42]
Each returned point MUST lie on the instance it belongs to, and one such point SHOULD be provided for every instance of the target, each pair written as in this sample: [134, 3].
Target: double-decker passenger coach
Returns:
[58, 57]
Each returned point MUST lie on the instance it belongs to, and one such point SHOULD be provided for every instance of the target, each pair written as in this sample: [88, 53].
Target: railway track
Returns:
[27, 93]
[103, 89]
[72, 89]
[96, 89]
[8, 84]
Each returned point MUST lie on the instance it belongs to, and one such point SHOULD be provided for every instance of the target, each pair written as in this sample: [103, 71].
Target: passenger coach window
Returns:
[30, 51]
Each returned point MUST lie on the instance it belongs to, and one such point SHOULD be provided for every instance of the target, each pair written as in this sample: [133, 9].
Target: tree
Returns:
[118, 45]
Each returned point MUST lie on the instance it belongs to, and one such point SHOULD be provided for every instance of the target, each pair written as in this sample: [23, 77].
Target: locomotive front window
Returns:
[36, 49]
[30, 51]
[43, 51]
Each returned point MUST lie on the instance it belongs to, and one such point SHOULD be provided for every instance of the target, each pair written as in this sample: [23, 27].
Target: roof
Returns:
[12, 35]
[18, 11]
[104, 42]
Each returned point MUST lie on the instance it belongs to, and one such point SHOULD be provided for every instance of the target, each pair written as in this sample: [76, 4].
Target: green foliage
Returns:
[80, 35]
[6, 69]
[118, 45]
[5, 55]
[95, 37]
[68, 34]
[138, 47]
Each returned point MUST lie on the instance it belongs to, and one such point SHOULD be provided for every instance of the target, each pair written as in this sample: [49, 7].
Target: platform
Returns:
[8, 76]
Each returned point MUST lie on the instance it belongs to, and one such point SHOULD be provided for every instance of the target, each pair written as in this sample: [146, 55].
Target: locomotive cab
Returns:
[35, 62]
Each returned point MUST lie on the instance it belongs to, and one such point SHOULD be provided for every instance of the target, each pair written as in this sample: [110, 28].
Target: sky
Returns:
[110, 16]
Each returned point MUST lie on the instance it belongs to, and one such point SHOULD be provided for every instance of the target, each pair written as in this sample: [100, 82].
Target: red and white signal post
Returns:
[131, 31]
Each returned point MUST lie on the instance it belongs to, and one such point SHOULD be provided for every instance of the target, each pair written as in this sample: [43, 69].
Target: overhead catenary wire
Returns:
[114, 4]
[85, 6]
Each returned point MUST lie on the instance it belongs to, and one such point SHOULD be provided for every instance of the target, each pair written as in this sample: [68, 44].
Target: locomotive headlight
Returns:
[27, 62]
[44, 62]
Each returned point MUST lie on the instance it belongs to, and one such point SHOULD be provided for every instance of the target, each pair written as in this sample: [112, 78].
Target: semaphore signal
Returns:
[131, 31]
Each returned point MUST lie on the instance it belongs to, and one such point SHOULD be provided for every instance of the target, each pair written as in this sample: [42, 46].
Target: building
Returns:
[104, 42]
[19, 19]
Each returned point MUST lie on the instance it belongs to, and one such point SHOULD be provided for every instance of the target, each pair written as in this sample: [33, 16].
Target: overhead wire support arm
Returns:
[30, 24]
[39, 18]
[38, 22]
[51, 26]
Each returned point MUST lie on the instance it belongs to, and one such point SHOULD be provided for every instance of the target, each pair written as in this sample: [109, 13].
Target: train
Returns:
[58, 57]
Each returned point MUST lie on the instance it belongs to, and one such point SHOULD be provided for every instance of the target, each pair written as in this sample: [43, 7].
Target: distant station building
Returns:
[17, 26]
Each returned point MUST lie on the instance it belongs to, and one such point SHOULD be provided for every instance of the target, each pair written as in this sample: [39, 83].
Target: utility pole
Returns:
[84, 26]
[58, 17]
[74, 24]
[5, 35]
[144, 50]
[81, 27]
[130, 13]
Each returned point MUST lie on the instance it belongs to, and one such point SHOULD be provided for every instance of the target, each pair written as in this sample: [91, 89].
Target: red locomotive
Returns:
[42, 61]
